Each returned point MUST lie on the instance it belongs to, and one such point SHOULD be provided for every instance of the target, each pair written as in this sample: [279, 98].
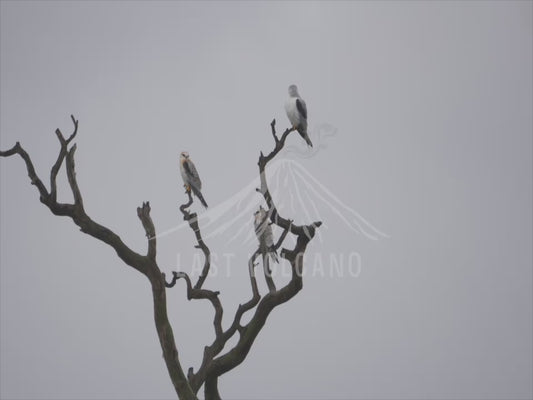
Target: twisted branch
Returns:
[197, 379]
[273, 212]
[62, 153]
[212, 365]
[304, 233]
[197, 292]
[144, 215]
[211, 368]
[194, 293]
[17, 149]
[144, 264]
[192, 219]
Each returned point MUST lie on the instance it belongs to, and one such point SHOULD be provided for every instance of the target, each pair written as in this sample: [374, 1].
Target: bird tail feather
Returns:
[198, 194]
[306, 138]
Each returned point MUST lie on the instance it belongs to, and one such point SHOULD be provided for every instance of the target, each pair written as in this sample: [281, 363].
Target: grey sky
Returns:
[431, 102]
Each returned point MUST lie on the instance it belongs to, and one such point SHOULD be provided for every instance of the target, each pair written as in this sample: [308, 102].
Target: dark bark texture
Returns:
[214, 362]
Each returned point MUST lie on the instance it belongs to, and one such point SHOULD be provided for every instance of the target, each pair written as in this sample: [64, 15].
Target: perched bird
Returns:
[190, 176]
[297, 112]
[263, 230]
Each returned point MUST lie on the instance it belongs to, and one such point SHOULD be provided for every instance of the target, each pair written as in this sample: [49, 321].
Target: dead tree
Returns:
[213, 364]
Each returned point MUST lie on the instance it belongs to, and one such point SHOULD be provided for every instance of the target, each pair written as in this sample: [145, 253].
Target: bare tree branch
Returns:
[62, 153]
[144, 264]
[17, 149]
[211, 389]
[213, 364]
[274, 215]
[216, 347]
[144, 215]
[193, 293]
[268, 273]
[211, 367]
[192, 219]
[273, 128]
[71, 175]
[283, 236]
[183, 207]
[305, 233]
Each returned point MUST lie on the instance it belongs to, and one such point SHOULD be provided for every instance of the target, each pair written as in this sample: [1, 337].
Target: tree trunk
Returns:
[211, 389]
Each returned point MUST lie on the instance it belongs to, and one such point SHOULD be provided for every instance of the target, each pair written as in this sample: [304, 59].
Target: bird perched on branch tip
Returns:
[296, 110]
[263, 230]
[190, 176]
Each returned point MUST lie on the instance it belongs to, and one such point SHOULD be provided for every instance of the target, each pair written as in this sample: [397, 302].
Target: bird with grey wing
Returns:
[263, 230]
[296, 110]
[190, 176]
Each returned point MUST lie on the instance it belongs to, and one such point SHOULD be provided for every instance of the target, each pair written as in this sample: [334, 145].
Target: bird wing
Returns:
[269, 237]
[192, 174]
[302, 108]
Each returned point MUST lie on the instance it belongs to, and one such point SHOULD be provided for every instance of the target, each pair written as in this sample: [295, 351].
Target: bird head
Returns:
[259, 214]
[293, 91]
[184, 155]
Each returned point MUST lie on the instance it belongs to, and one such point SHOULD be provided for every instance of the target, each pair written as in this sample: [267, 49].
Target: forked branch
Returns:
[144, 264]
[213, 364]
[304, 234]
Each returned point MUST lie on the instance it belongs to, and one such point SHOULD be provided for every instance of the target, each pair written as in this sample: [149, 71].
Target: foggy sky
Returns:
[431, 106]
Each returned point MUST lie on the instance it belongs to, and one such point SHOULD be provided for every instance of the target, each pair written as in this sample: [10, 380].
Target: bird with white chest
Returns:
[296, 110]
[190, 176]
[263, 231]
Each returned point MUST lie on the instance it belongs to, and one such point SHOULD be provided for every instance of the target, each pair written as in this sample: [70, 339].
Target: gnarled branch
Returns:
[144, 215]
[211, 368]
[35, 180]
[304, 233]
[62, 153]
[144, 264]
[194, 293]
[192, 219]
[274, 215]
[213, 364]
